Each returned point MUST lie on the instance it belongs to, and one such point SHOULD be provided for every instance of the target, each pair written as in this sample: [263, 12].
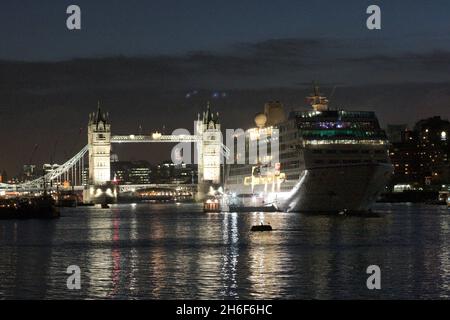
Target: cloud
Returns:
[431, 61]
[269, 63]
[265, 60]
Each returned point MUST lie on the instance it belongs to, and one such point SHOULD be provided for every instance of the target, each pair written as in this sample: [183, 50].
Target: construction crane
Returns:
[32, 153]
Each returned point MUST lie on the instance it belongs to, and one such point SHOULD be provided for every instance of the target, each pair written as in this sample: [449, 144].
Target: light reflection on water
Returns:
[167, 252]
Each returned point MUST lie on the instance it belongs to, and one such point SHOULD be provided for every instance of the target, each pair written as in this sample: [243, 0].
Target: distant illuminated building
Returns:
[421, 158]
[142, 172]
[404, 156]
[274, 112]
[167, 172]
[395, 132]
[114, 157]
[131, 172]
[29, 172]
[47, 168]
[3, 177]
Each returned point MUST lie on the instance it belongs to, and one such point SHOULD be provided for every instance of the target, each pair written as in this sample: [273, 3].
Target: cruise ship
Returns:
[329, 160]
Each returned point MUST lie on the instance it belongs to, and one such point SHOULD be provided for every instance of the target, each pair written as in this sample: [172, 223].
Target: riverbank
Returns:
[429, 197]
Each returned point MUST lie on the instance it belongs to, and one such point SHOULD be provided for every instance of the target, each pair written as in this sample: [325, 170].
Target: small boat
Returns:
[42, 207]
[211, 205]
[105, 206]
[66, 199]
[262, 227]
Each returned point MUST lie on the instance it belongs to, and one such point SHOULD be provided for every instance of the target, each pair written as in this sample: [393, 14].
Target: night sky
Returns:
[141, 59]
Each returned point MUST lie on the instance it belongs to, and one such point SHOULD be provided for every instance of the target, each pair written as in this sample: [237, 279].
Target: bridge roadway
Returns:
[122, 188]
[155, 137]
[135, 187]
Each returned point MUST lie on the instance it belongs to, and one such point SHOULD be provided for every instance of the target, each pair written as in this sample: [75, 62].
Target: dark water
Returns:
[169, 251]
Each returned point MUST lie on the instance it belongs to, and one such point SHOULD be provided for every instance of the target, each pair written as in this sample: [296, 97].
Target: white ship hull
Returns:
[352, 187]
[332, 189]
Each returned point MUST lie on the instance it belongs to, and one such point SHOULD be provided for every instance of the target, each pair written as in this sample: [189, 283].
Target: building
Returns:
[142, 172]
[421, 158]
[131, 172]
[114, 157]
[404, 156]
[167, 172]
[3, 176]
[434, 149]
[395, 132]
[47, 168]
[29, 172]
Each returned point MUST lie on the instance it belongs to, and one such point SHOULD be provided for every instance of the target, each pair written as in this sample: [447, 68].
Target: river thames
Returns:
[169, 251]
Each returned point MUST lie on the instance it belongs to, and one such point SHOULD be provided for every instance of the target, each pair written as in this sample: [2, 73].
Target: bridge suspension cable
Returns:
[72, 171]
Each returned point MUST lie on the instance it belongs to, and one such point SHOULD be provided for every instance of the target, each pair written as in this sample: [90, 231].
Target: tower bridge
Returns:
[97, 153]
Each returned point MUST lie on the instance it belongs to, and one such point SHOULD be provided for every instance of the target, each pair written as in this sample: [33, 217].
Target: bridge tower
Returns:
[99, 141]
[209, 149]
[100, 189]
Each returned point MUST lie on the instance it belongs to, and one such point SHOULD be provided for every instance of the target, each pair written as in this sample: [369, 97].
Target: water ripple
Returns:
[179, 252]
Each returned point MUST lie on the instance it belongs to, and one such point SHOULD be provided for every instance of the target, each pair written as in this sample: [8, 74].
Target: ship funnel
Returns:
[317, 101]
